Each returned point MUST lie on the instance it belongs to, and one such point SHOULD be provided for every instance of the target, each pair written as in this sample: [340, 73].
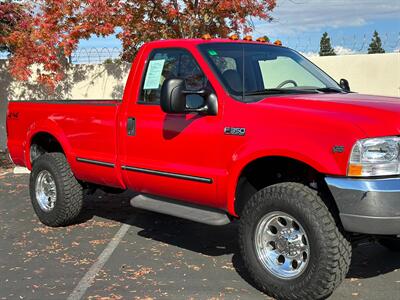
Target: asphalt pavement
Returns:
[118, 252]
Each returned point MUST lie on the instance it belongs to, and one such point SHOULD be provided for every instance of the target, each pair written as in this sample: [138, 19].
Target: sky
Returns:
[300, 24]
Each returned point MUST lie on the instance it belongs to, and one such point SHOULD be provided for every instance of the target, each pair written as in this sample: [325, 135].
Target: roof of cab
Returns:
[205, 41]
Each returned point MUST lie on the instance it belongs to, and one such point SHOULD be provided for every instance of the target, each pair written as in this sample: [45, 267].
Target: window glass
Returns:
[224, 63]
[274, 72]
[191, 72]
[170, 63]
[250, 72]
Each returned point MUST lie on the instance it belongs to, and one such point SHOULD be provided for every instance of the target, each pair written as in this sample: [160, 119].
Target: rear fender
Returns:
[50, 127]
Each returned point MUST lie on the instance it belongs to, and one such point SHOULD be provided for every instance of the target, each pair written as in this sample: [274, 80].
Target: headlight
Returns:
[375, 157]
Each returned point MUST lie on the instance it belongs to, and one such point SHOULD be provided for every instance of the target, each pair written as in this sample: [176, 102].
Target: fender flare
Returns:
[50, 127]
[243, 158]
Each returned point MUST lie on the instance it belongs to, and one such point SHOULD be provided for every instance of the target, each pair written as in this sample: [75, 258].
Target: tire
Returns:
[327, 260]
[64, 193]
[391, 243]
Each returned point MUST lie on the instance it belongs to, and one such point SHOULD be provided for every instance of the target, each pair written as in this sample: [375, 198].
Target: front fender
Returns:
[323, 160]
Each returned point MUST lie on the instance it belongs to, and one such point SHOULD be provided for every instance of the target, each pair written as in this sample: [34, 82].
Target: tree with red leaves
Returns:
[11, 15]
[50, 30]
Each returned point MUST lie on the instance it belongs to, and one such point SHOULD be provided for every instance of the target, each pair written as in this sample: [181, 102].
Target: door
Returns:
[173, 155]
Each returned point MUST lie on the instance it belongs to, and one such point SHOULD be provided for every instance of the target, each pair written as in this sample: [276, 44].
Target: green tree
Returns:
[376, 44]
[325, 47]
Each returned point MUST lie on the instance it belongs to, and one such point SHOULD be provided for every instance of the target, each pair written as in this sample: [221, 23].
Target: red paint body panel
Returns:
[302, 127]
[84, 129]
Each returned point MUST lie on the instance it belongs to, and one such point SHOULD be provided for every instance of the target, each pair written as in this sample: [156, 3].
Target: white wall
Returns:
[103, 81]
[375, 74]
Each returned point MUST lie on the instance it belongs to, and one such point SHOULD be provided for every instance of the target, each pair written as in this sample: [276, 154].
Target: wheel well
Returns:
[42, 143]
[267, 171]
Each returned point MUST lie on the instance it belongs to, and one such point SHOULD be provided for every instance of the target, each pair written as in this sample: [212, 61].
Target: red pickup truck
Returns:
[217, 130]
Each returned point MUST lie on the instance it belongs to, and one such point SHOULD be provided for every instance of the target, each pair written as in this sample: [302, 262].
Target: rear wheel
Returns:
[56, 195]
[290, 243]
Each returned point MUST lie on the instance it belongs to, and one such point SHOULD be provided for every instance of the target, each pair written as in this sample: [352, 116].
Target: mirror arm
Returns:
[203, 109]
[201, 92]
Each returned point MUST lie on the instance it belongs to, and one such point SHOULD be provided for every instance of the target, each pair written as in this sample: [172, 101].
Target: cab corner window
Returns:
[169, 63]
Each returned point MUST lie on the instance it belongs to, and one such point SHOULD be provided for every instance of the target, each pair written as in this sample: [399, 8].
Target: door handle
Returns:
[131, 126]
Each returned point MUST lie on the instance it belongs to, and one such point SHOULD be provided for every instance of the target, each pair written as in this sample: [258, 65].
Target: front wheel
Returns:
[290, 243]
[56, 195]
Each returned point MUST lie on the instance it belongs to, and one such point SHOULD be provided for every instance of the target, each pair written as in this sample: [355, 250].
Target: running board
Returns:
[180, 209]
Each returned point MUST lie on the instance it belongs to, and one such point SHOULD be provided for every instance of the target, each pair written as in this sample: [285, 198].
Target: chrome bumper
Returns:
[369, 206]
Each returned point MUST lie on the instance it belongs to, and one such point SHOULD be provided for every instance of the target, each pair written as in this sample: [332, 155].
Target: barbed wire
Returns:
[90, 55]
[310, 46]
[95, 55]
[344, 45]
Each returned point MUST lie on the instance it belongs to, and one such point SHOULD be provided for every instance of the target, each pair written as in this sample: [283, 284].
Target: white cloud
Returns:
[339, 50]
[296, 16]
[310, 54]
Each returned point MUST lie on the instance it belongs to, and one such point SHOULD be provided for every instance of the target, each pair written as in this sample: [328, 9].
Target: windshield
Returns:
[251, 71]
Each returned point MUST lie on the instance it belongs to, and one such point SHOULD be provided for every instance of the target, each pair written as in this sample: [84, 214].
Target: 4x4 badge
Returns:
[338, 149]
[234, 131]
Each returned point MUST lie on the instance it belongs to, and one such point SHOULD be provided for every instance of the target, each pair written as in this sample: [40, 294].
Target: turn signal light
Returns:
[278, 43]
[354, 170]
[248, 38]
[206, 37]
[234, 37]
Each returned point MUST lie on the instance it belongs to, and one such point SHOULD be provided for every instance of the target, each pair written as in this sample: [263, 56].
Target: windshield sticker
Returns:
[153, 75]
[212, 52]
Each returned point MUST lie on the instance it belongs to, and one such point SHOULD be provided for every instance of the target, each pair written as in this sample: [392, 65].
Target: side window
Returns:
[228, 68]
[169, 63]
[191, 72]
[225, 63]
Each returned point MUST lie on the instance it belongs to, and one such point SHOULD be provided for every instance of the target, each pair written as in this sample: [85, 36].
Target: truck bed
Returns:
[85, 129]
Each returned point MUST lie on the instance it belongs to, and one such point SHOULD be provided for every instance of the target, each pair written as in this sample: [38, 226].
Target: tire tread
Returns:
[69, 198]
[332, 271]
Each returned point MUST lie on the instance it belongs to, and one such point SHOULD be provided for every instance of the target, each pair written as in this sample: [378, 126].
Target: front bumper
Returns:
[370, 206]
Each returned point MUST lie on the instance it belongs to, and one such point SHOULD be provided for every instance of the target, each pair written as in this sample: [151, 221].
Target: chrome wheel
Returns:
[46, 192]
[281, 245]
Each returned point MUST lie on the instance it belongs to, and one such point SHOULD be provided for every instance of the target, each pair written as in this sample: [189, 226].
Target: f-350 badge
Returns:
[235, 131]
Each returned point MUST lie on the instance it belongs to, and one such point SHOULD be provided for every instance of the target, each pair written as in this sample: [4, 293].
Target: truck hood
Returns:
[375, 115]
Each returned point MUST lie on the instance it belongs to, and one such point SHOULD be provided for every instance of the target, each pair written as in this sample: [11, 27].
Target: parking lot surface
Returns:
[132, 254]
